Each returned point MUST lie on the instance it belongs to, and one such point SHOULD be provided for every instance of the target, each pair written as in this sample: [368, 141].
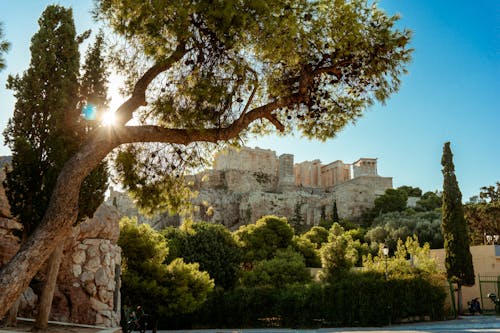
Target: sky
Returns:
[450, 94]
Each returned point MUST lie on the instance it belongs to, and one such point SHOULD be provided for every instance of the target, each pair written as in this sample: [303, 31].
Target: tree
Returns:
[4, 47]
[287, 267]
[388, 228]
[162, 289]
[490, 193]
[338, 255]
[335, 213]
[201, 73]
[316, 235]
[483, 218]
[421, 263]
[458, 260]
[429, 201]
[43, 132]
[211, 246]
[393, 200]
[411, 191]
[261, 240]
[46, 130]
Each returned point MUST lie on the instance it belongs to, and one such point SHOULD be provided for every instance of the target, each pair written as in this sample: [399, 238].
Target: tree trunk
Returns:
[45, 303]
[62, 211]
[459, 298]
[12, 317]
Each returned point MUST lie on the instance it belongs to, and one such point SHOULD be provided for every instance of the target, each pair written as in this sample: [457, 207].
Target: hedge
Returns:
[358, 300]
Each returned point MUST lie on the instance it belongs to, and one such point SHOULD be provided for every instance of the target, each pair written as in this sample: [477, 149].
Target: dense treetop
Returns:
[306, 65]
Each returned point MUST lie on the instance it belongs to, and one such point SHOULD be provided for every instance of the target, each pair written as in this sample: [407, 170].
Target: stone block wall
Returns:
[89, 284]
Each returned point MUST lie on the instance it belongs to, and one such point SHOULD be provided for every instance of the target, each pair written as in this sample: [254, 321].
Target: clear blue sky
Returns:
[451, 94]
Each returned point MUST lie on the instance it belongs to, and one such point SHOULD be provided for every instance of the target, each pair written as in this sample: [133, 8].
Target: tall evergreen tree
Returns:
[458, 259]
[335, 213]
[43, 131]
[93, 94]
[46, 130]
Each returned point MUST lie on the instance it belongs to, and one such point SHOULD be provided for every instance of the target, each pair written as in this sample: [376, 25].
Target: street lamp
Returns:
[385, 252]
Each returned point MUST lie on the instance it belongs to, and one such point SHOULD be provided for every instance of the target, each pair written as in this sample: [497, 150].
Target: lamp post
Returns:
[385, 252]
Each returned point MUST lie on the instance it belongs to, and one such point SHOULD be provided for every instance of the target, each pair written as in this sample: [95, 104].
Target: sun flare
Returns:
[108, 118]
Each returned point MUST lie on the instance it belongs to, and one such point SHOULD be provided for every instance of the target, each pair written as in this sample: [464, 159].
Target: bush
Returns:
[361, 299]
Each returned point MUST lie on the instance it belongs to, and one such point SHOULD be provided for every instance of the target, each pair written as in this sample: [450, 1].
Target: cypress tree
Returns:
[43, 130]
[93, 95]
[46, 129]
[458, 259]
[335, 213]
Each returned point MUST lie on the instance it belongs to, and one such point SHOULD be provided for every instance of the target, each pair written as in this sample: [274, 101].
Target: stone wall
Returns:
[87, 290]
[247, 159]
[358, 194]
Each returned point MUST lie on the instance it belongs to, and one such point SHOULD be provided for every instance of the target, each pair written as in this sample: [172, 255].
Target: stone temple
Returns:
[245, 184]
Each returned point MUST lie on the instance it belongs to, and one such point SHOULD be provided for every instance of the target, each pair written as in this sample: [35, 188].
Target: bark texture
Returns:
[45, 304]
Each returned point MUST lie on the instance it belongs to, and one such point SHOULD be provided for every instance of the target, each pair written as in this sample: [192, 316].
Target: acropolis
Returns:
[246, 183]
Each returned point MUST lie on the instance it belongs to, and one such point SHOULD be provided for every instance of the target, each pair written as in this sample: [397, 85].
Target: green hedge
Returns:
[357, 300]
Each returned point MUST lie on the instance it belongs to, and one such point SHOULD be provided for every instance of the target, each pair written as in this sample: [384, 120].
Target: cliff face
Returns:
[235, 198]
[246, 184]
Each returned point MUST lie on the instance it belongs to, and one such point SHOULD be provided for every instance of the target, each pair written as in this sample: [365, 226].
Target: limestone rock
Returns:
[98, 305]
[100, 277]
[9, 242]
[104, 224]
[4, 202]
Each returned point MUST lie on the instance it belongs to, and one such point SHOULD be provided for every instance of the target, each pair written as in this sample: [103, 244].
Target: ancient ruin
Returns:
[245, 184]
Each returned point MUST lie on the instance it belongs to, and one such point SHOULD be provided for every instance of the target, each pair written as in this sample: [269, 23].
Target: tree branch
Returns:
[124, 113]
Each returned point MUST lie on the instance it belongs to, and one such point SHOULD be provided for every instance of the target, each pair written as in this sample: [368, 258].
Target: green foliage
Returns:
[490, 193]
[316, 235]
[261, 240]
[390, 227]
[335, 213]
[458, 259]
[482, 218]
[4, 47]
[361, 299]
[409, 260]
[429, 201]
[162, 290]
[43, 131]
[317, 64]
[286, 267]
[308, 250]
[393, 200]
[93, 90]
[410, 191]
[338, 255]
[211, 246]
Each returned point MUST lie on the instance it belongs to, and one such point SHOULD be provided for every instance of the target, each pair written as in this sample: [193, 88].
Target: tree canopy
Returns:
[200, 72]
[210, 245]
[162, 289]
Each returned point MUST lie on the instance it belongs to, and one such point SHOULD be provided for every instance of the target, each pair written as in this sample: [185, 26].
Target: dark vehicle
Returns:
[494, 298]
[474, 306]
[138, 321]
